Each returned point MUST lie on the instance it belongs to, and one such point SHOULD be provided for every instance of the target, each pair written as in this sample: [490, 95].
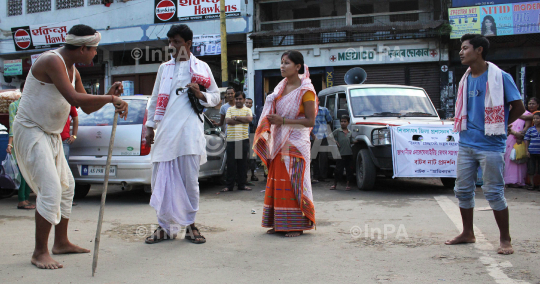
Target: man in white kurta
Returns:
[178, 151]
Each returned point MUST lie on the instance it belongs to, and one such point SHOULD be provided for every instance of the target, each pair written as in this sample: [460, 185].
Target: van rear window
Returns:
[105, 116]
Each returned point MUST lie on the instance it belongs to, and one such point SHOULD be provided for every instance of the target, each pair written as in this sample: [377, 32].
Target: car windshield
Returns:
[105, 116]
[391, 102]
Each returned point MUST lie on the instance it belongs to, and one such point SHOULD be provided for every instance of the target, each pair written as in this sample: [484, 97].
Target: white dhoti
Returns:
[42, 163]
[175, 192]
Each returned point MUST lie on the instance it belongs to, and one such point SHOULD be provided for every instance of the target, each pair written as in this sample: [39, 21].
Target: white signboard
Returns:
[51, 34]
[206, 45]
[424, 151]
[359, 54]
[190, 10]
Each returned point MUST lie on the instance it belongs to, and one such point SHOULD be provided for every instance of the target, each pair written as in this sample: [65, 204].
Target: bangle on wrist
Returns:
[9, 145]
[112, 99]
[283, 120]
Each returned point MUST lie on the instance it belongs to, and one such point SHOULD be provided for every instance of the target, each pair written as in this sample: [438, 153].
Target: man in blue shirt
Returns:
[319, 132]
[478, 149]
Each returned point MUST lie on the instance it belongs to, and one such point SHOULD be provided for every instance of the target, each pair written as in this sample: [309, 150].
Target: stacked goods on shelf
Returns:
[6, 98]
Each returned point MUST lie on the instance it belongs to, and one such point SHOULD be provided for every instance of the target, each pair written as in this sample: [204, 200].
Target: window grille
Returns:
[36, 6]
[66, 4]
[94, 2]
[14, 7]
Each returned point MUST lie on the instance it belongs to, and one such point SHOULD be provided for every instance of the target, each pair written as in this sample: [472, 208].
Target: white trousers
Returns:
[175, 192]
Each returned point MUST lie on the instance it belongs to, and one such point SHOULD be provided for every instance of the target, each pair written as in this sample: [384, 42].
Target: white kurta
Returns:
[179, 150]
[180, 132]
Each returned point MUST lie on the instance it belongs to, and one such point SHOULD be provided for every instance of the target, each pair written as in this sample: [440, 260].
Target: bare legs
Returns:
[502, 218]
[41, 257]
[467, 236]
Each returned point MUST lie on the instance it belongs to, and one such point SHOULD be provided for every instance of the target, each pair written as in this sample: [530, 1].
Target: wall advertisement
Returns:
[206, 45]
[41, 36]
[496, 20]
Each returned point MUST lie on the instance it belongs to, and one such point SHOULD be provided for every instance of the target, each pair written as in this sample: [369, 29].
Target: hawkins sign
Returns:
[191, 10]
[41, 36]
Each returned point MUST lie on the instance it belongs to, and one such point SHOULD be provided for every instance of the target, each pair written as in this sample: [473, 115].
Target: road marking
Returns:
[485, 248]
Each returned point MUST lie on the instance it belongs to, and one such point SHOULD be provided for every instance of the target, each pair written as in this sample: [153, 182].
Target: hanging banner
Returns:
[424, 151]
[206, 45]
[464, 3]
[496, 20]
[13, 67]
[190, 10]
[41, 36]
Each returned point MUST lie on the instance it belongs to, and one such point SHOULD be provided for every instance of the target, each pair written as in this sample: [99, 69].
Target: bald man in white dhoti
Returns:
[52, 86]
[180, 146]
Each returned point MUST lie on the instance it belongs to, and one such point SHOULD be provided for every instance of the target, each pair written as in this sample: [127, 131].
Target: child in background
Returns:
[343, 141]
[532, 141]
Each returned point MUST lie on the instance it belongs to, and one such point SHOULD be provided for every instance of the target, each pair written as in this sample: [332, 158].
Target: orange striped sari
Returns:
[285, 150]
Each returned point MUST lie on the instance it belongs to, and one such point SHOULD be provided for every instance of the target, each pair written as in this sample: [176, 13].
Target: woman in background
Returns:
[24, 189]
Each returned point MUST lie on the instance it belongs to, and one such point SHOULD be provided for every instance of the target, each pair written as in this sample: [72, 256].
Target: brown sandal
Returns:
[292, 232]
[199, 239]
[156, 236]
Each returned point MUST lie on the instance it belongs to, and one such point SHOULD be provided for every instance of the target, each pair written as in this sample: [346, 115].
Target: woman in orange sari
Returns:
[282, 143]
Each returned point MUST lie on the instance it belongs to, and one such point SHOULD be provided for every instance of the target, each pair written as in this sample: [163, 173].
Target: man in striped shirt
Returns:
[237, 119]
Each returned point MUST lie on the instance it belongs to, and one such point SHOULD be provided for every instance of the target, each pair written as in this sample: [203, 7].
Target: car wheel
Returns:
[324, 169]
[81, 190]
[448, 182]
[365, 170]
[7, 192]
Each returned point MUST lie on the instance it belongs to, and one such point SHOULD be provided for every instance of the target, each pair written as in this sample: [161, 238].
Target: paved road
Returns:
[422, 213]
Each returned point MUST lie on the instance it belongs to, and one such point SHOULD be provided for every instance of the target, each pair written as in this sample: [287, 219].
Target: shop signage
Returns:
[165, 11]
[41, 36]
[190, 10]
[495, 20]
[13, 67]
[464, 3]
[22, 39]
[388, 55]
[206, 45]
[424, 151]
[329, 71]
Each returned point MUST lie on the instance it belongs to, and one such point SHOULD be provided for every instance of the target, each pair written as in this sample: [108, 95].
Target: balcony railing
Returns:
[377, 26]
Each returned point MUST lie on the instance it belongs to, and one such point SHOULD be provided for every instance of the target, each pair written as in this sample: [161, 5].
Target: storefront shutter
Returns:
[427, 76]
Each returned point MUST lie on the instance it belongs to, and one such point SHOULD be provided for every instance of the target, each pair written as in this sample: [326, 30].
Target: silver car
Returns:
[130, 163]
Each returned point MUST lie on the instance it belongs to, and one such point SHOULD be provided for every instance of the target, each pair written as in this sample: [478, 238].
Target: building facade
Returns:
[133, 37]
[395, 42]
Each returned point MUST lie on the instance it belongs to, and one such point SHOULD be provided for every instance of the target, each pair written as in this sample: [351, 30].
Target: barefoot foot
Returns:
[68, 248]
[271, 231]
[505, 248]
[461, 239]
[45, 261]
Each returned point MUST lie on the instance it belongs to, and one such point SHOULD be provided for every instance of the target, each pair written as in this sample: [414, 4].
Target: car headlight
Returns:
[381, 137]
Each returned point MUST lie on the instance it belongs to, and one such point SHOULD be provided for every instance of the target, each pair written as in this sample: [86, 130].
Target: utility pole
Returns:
[223, 24]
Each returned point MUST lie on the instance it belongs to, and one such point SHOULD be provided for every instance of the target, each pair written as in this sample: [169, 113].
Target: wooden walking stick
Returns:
[104, 195]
